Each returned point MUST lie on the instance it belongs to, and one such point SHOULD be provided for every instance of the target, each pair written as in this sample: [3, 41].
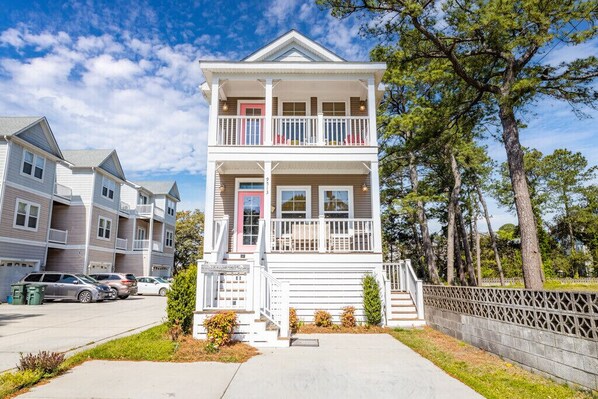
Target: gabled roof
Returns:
[18, 126]
[161, 188]
[300, 46]
[104, 158]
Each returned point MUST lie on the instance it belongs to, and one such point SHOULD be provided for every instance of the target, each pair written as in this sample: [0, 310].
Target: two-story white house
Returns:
[292, 210]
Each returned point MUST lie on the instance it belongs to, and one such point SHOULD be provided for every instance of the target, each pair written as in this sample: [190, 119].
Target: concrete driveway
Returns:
[64, 326]
[344, 366]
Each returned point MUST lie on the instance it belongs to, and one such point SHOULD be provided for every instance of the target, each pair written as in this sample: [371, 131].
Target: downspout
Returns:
[89, 215]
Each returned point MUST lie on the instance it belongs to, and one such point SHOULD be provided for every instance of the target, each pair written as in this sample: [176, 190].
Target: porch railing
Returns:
[144, 210]
[58, 236]
[346, 131]
[240, 130]
[321, 235]
[220, 239]
[295, 130]
[224, 290]
[156, 246]
[121, 243]
[140, 245]
[402, 278]
[63, 191]
[124, 207]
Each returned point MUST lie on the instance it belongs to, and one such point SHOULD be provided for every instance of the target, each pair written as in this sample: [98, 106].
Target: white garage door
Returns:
[99, 267]
[11, 272]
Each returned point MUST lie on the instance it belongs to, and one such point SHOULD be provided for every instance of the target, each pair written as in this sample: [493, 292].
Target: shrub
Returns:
[322, 318]
[181, 299]
[293, 320]
[348, 317]
[175, 331]
[219, 329]
[47, 362]
[372, 304]
[12, 382]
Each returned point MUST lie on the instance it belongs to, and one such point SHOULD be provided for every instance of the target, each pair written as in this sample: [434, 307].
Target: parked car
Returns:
[148, 285]
[122, 284]
[70, 286]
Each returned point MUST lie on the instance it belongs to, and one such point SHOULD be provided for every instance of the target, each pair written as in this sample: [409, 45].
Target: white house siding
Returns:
[66, 260]
[3, 153]
[80, 181]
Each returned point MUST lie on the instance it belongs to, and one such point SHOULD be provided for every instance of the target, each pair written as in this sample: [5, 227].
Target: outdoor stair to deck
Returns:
[403, 311]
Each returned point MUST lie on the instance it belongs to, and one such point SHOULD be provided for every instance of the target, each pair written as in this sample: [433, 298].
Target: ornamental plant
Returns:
[181, 299]
[220, 329]
[46, 362]
[293, 320]
[322, 318]
[372, 304]
[348, 317]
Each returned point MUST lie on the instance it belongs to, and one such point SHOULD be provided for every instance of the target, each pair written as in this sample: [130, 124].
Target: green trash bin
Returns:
[35, 294]
[19, 293]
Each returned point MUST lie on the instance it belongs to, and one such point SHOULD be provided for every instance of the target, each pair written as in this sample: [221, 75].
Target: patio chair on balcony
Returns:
[305, 237]
[355, 139]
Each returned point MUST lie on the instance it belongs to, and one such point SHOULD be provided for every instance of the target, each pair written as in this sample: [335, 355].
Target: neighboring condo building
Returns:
[75, 211]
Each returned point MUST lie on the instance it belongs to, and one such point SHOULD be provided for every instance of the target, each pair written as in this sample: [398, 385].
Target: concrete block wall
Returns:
[563, 358]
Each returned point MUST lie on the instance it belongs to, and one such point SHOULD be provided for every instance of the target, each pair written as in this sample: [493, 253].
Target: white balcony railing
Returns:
[321, 235]
[346, 131]
[140, 245]
[121, 243]
[240, 130]
[156, 246]
[63, 191]
[58, 236]
[144, 210]
[295, 130]
[159, 212]
[124, 207]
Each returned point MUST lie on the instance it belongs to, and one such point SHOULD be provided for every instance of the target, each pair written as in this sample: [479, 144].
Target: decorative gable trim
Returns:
[49, 136]
[115, 164]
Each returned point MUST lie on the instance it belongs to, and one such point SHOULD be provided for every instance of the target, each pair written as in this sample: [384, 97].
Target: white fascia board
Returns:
[274, 156]
[281, 67]
[287, 39]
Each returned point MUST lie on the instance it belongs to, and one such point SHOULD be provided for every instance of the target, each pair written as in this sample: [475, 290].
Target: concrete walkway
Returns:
[344, 366]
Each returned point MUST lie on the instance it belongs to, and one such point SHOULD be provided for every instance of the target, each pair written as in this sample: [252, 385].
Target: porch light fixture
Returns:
[225, 108]
[362, 106]
[222, 188]
[364, 188]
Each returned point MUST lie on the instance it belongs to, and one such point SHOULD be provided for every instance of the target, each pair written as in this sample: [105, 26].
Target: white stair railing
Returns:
[274, 301]
[402, 277]
[221, 243]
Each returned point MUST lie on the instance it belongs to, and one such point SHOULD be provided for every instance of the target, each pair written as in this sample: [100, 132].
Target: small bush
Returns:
[12, 382]
[372, 304]
[181, 299]
[47, 362]
[322, 318]
[175, 331]
[348, 317]
[293, 320]
[219, 330]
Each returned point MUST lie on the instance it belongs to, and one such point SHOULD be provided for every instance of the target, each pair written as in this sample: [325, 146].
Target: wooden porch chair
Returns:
[305, 237]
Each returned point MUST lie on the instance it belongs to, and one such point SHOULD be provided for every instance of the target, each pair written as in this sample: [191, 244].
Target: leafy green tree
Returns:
[499, 49]
[372, 304]
[181, 299]
[188, 248]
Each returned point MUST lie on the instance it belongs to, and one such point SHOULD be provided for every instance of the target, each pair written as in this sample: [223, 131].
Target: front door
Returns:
[250, 208]
[252, 126]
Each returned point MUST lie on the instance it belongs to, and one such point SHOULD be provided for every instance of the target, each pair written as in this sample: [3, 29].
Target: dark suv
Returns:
[69, 286]
[121, 284]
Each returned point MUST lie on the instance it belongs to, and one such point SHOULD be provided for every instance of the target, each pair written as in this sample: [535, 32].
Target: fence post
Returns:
[284, 322]
[322, 234]
[420, 300]
[387, 299]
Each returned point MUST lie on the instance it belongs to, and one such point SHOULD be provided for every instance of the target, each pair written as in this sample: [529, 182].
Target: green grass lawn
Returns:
[558, 286]
[484, 372]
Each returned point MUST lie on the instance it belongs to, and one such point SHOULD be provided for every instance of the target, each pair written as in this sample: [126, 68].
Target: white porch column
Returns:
[150, 250]
[267, 202]
[375, 190]
[372, 113]
[213, 123]
[268, 121]
[208, 245]
[320, 127]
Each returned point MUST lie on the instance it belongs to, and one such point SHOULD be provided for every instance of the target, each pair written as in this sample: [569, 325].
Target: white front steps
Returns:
[403, 312]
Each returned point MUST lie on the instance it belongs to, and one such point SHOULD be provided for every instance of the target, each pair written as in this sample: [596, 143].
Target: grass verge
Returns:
[556, 285]
[337, 329]
[150, 345]
[484, 372]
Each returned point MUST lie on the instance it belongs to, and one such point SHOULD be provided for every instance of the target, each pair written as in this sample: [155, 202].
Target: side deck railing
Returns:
[401, 277]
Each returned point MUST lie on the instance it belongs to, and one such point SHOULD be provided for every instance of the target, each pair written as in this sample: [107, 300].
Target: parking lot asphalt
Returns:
[343, 366]
[70, 326]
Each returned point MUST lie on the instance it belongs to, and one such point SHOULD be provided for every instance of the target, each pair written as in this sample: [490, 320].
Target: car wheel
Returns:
[114, 293]
[85, 297]
[123, 296]
[162, 292]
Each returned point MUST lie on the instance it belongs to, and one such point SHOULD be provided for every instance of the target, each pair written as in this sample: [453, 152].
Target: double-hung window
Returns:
[143, 199]
[170, 207]
[294, 202]
[336, 202]
[292, 129]
[108, 188]
[33, 165]
[104, 228]
[169, 238]
[26, 215]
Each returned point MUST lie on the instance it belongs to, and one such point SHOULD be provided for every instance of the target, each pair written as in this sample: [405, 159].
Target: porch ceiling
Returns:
[295, 168]
[298, 90]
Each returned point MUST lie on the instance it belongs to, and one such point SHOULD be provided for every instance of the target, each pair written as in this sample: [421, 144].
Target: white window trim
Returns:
[166, 239]
[290, 100]
[144, 233]
[143, 196]
[29, 204]
[32, 175]
[238, 182]
[239, 102]
[104, 178]
[321, 101]
[98, 229]
[169, 207]
[331, 188]
[280, 189]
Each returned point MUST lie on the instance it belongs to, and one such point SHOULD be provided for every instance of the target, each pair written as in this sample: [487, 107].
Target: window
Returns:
[251, 186]
[32, 278]
[336, 202]
[141, 233]
[33, 165]
[104, 227]
[143, 199]
[294, 202]
[294, 109]
[51, 278]
[170, 207]
[108, 187]
[26, 215]
[67, 279]
[169, 238]
[333, 108]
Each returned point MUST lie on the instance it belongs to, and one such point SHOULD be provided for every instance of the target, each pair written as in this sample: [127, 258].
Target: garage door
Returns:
[99, 267]
[160, 271]
[11, 272]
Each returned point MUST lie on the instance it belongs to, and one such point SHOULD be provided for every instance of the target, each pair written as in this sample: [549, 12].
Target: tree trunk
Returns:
[569, 224]
[459, 260]
[471, 279]
[423, 224]
[492, 236]
[530, 249]
[450, 234]
[478, 252]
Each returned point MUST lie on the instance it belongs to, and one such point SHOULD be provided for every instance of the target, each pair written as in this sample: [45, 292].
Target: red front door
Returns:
[252, 126]
[250, 208]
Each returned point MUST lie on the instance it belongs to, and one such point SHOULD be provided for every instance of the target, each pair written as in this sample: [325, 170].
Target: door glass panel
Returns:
[251, 219]
[253, 126]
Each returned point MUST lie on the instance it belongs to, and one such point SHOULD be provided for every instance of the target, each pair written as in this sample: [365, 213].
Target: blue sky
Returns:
[124, 75]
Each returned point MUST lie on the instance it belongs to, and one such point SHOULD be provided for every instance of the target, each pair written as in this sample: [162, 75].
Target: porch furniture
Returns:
[305, 237]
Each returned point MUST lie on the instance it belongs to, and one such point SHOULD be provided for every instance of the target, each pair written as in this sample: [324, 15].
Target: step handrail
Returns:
[274, 301]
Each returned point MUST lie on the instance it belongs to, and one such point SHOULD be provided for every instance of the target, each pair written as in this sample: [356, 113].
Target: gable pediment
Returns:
[112, 166]
[40, 135]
